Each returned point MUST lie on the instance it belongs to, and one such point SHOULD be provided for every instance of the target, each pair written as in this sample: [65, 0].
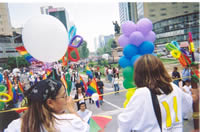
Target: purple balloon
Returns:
[144, 25]
[136, 38]
[151, 36]
[123, 40]
[128, 27]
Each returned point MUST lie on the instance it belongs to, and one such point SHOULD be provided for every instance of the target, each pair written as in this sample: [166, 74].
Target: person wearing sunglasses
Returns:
[49, 110]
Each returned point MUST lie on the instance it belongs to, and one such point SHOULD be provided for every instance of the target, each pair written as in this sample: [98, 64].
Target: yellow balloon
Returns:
[176, 53]
[130, 93]
[125, 103]
[9, 98]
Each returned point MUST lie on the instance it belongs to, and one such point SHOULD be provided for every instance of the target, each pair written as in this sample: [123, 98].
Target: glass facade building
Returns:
[177, 29]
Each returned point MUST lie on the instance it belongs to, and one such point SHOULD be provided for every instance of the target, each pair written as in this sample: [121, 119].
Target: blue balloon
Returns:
[147, 47]
[124, 62]
[1, 77]
[176, 44]
[130, 50]
[134, 58]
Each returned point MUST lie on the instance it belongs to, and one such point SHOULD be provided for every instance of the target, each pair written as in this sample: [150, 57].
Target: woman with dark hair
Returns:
[80, 96]
[158, 103]
[49, 110]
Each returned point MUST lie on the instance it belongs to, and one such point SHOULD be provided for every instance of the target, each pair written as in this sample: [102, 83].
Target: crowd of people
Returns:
[51, 109]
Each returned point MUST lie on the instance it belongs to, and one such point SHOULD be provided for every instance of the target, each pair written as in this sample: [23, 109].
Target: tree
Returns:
[19, 62]
[83, 50]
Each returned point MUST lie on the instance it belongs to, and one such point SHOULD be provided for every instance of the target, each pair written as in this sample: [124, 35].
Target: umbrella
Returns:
[98, 122]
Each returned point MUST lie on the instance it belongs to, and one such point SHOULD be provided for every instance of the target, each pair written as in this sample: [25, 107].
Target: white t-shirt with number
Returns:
[139, 113]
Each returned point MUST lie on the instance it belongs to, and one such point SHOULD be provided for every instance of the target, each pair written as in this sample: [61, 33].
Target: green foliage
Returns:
[103, 62]
[107, 48]
[19, 62]
[5, 66]
[83, 50]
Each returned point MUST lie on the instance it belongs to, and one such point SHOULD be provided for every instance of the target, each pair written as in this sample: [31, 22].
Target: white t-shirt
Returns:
[85, 115]
[139, 113]
[187, 89]
[67, 123]
[109, 71]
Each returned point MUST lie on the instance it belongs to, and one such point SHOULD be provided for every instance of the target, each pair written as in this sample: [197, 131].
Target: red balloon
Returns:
[70, 49]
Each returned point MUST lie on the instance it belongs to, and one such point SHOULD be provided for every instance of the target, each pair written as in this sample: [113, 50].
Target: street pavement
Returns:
[113, 106]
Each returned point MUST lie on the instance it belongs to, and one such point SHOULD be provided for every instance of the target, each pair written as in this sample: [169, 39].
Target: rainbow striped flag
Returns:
[44, 76]
[89, 72]
[93, 88]
[31, 72]
[83, 83]
[9, 86]
[48, 71]
[21, 90]
[64, 81]
[22, 51]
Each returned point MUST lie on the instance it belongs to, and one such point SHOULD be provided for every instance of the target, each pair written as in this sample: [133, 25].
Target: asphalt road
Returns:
[113, 105]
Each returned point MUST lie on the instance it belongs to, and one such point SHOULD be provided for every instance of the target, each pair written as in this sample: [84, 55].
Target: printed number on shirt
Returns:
[168, 112]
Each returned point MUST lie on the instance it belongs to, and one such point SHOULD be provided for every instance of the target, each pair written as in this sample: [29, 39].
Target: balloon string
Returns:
[109, 93]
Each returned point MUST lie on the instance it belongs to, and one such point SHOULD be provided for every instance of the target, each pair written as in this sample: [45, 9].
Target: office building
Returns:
[60, 13]
[5, 24]
[171, 21]
[127, 12]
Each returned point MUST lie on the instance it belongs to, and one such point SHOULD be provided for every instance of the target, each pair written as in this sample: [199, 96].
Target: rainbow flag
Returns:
[93, 88]
[89, 72]
[21, 90]
[83, 83]
[44, 76]
[31, 72]
[22, 51]
[48, 72]
[9, 86]
[64, 81]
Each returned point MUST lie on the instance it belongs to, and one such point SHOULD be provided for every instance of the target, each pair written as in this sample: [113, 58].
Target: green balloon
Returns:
[171, 47]
[128, 73]
[3, 88]
[128, 84]
[2, 105]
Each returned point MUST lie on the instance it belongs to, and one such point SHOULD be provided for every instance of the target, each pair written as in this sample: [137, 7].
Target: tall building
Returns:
[107, 38]
[5, 24]
[171, 21]
[127, 11]
[59, 13]
[44, 9]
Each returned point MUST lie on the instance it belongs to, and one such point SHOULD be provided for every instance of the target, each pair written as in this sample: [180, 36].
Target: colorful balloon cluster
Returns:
[178, 53]
[137, 40]
[72, 46]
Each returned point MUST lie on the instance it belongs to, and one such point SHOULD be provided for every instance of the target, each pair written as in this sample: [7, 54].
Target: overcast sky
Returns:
[91, 19]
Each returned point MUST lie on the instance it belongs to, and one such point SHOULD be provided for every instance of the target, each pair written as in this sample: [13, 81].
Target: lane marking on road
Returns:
[111, 104]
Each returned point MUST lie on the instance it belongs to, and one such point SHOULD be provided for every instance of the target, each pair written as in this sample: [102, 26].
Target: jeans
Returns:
[101, 91]
[110, 77]
[176, 82]
[116, 87]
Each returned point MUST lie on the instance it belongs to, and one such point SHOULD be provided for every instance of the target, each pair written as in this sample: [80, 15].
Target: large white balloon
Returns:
[45, 38]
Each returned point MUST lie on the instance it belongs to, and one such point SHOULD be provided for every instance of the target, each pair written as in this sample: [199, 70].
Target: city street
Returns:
[113, 105]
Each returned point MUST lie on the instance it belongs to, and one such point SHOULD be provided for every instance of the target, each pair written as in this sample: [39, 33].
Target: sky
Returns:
[91, 19]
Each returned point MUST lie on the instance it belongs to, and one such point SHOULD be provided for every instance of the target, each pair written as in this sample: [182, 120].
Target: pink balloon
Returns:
[128, 27]
[136, 38]
[151, 36]
[144, 25]
[123, 40]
